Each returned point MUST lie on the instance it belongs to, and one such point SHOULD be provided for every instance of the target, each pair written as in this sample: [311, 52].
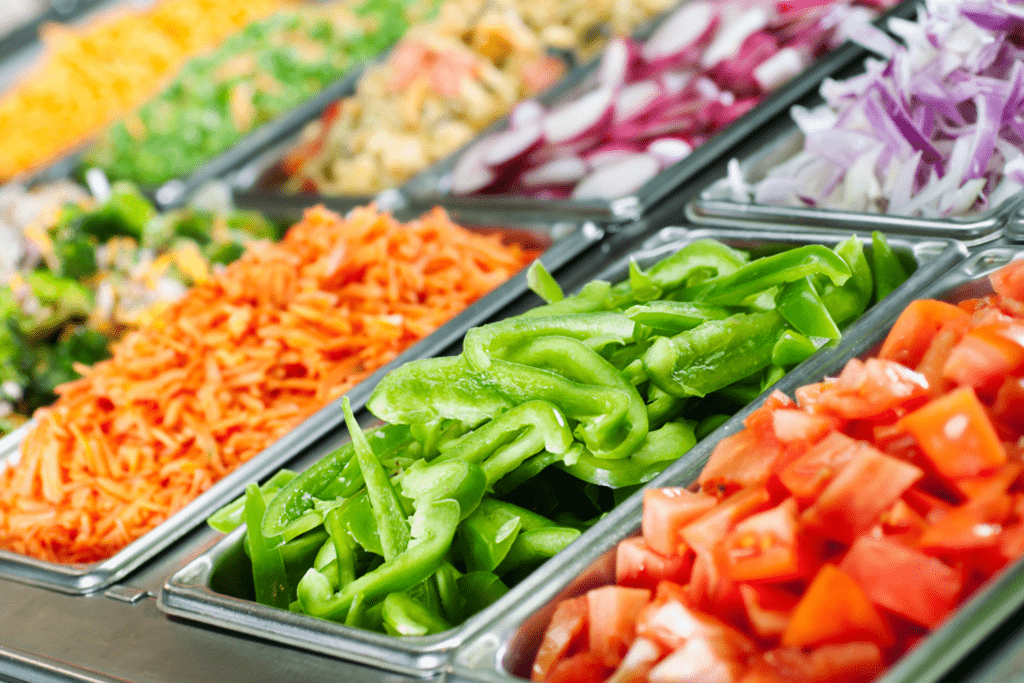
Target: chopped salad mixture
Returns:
[829, 536]
[492, 461]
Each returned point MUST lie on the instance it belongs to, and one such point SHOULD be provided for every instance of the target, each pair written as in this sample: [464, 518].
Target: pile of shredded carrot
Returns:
[230, 368]
[92, 75]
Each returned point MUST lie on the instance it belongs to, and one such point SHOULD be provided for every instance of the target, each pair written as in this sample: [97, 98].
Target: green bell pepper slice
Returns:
[406, 616]
[268, 572]
[886, 267]
[662, 447]
[802, 308]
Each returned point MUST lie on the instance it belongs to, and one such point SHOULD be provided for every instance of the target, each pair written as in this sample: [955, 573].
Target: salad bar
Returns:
[482, 341]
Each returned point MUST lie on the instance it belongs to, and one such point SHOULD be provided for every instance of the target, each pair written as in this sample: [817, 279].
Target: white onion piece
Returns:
[513, 144]
[561, 171]
[635, 99]
[729, 39]
[669, 150]
[471, 174]
[688, 26]
[675, 82]
[579, 119]
[610, 153]
[779, 68]
[526, 112]
[618, 179]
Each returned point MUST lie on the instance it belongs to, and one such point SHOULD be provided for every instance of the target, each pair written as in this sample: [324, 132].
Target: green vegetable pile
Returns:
[492, 461]
[52, 319]
[260, 73]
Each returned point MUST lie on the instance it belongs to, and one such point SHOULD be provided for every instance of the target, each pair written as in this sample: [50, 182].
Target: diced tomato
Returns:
[643, 654]
[931, 508]
[1009, 404]
[841, 663]
[743, 459]
[667, 511]
[975, 524]
[763, 547]
[934, 361]
[867, 389]
[1011, 542]
[700, 660]
[671, 623]
[566, 633]
[1009, 280]
[855, 498]
[985, 355]
[768, 608]
[612, 612]
[639, 566]
[807, 476]
[906, 581]
[914, 329]
[835, 610]
[902, 523]
[956, 435]
[712, 589]
[586, 667]
[793, 425]
[704, 533]
[1003, 478]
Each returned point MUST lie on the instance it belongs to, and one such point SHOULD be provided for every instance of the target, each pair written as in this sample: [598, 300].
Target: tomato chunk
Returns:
[700, 660]
[768, 608]
[912, 333]
[835, 610]
[807, 476]
[1009, 280]
[704, 533]
[586, 667]
[906, 581]
[667, 511]
[763, 547]
[985, 355]
[567, 629]
[746, 458]
[637, 565]
[612, 612]
[867, 389]
[955, 433]
[855, 498]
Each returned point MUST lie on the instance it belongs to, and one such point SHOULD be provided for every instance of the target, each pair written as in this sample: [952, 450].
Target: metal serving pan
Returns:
[713, 204]
[202, 591]
[508, 645]
[561, 240]
[435, 181]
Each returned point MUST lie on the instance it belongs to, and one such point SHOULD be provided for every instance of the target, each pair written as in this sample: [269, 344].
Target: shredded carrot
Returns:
[230, 368]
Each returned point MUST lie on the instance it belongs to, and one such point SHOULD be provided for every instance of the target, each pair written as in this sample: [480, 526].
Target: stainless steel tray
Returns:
[193, 592]
[561, 240]
[508, 645]
[713, 205]
[434, 182]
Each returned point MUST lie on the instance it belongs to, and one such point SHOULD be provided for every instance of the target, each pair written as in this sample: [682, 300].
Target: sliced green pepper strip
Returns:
[434, 388]
[673, 271]
[774, 374]
[344, 547]
[446, 579]
[232, 515]
[495, 340]
[672, 317]
[268, 573]
[535, 546]
[529, 469]
[406, 616]
[480, 590]
[802, 308]
[486, 536]
[387, 509]
[596, 295]
[356, 516]
[459, 480]
[356, 616]
[661, 448]
[710, 424]
[334, 475]
[756, 276]
[541, 283]
[886, 267]
[792, 348]
[433, 528]
[715, 354]
[537, 423]
[612, 435]
[861, 281]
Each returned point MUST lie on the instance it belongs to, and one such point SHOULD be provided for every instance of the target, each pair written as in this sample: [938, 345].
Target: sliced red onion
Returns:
[688, 27]
[609, 153]
[620, 60]
[670, 150]
[563, 171]
[618, 179]
[526, 112]
[580, 118]
[636, 99]
[779, 68]
[471, 174]
[729, 39]
[512, 145]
